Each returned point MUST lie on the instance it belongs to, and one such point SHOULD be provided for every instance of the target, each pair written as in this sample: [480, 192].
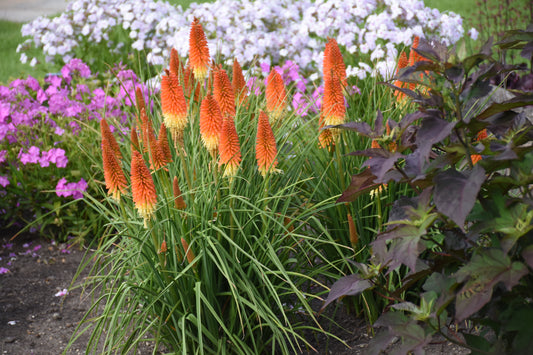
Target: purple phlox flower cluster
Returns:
[55, 156]
[75, 67]
[7, 246]
[74, 189]
[3, 270]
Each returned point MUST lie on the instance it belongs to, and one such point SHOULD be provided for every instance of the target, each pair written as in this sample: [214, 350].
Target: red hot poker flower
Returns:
[333, 109]
[162, 143]
[210, 123]
[179, 202]
[175, 65]
[105, 131]
[229, 147]
[238, 83]
[173, 105]
[198, 51]
[115, 180]
[265, 146]
[143, 188]
[223, 92]
[333, 64]
[275, 96]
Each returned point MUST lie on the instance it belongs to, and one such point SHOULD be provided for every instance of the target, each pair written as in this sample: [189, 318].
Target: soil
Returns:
[36, 318]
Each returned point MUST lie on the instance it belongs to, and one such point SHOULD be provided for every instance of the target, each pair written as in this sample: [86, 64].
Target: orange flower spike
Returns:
[134, 140]
[105, 131]
[115, 180]
[143, 188]
[354, 237]
[402, 63]
[229, 147]
[199, 58]
[375, 144]
[210, 123]
[146, 128]
[265, 146]
[139, 99]
[188, 251]
[333, 63]
[238, 83]
[174, 64]
[157, 158]
[179, 202]
[162, 143]
[173, 105]
[333, 107]
[325, 137]
[223, 92]
[163, 248]
[275, 96]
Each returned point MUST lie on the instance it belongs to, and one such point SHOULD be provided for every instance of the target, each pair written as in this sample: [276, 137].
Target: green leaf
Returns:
[477, 342]
[456, 193]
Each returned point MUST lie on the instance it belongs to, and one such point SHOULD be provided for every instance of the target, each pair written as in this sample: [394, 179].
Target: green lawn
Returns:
[519, 15]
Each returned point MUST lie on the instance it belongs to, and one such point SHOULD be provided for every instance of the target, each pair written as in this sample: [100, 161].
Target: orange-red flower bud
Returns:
[199, 58]
[229, 147]
[210, 123]
[265, 146]
[142, 187]
[173, 105]
[276, 96]
[223, 92]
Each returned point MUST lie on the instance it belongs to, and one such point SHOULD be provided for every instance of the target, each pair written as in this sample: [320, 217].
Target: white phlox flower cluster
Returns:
[270, 31]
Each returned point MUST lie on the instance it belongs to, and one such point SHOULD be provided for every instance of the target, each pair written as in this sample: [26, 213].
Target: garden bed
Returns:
[34, 318]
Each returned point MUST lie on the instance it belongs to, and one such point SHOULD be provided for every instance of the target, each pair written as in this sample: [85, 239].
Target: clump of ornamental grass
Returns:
[215, 249]
[42, 124]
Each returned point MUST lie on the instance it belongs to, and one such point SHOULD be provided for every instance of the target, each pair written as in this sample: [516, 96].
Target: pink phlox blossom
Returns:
[74, 189]
[3, 156]
[59, 131]
[4, 181]
[4, 111]
[32, 83]
[57, 156]
[41, 96]
[31, 157]
[3, 270]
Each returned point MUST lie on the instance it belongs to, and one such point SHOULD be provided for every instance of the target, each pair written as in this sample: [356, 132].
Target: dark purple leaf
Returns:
[350, 285]
[482, 273]
[456, 193]
[454, 73]
[527, 254]
[404, 249]
[432, 131]
[360, 127]
[378, 124]
[380, 165]
[413, 336]
[519, 101]
[527, 52]
[360, 184]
